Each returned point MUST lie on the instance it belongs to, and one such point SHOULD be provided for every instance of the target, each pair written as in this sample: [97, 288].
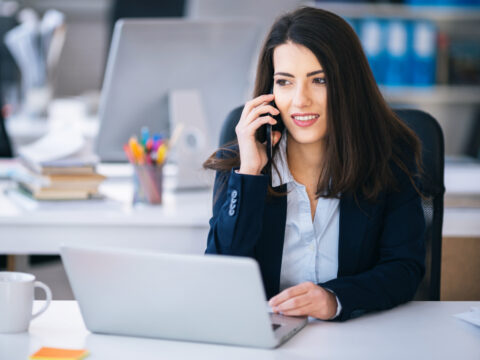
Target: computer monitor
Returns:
[151, 59]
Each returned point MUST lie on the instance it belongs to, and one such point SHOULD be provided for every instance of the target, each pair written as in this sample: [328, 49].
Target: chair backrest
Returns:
[433, 152]
[433, 157]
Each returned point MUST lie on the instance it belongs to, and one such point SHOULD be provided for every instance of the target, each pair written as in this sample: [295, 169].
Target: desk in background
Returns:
[179, 225]
[416, 330]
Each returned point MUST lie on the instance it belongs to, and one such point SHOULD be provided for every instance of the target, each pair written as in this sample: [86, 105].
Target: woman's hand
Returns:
[305, 299]
[256, 112]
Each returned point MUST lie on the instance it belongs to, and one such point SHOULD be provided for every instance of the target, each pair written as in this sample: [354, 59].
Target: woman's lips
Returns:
[304, 120]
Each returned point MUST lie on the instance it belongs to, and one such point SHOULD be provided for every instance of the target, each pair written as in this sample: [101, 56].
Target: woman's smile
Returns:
[304, 119]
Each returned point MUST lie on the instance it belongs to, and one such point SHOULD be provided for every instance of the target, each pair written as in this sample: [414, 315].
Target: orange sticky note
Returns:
[46, 353]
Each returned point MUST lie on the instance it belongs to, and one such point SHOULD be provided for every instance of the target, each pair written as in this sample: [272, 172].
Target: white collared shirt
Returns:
[310, 249]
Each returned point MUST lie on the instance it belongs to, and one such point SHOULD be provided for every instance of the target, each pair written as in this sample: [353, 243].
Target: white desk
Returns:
[417, 330]
[179, 225]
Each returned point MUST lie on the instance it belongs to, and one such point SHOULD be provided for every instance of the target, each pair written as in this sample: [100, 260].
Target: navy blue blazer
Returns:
[381, 257]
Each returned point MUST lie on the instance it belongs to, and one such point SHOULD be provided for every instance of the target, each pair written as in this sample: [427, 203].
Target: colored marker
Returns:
[161, 153]
[129, 154]
[145, 134]
[149, 145]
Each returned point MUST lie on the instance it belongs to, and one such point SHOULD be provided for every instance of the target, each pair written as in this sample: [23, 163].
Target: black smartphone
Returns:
[265, 132]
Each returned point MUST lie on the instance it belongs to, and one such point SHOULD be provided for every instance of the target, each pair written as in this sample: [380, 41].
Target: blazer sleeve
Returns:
[401, 263]
[237, 221]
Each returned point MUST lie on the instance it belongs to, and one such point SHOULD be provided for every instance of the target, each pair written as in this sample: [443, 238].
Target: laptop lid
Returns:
[211, 298]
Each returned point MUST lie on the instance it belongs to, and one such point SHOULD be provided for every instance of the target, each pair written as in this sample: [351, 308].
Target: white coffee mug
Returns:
[16, 300]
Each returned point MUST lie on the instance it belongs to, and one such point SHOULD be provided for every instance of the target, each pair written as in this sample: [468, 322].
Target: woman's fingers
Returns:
[305, 299]
[294, 303]
[261, 110]
[250, 105]
[256, 113]
[259, 116]
[299, 311]
[254, 125]
[289, 293]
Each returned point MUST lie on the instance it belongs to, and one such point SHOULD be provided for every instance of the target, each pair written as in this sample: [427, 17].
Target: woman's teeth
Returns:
[305, 118]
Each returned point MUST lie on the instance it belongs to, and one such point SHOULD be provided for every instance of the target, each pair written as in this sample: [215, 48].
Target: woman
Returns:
[337, 225]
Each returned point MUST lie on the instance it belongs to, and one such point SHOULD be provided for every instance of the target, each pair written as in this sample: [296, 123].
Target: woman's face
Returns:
[300, 92]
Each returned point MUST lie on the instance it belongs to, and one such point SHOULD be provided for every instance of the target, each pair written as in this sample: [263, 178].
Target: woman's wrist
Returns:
[248, 171]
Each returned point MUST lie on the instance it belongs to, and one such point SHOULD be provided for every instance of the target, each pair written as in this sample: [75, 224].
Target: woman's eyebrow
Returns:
[308, 74]
[284, 74]
[314, 73]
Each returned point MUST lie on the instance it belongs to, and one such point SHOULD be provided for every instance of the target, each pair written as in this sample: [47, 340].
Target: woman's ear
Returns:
[277, 135]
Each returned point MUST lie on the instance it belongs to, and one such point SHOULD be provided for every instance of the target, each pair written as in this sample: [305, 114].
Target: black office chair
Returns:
[473, 143]
[433, 153]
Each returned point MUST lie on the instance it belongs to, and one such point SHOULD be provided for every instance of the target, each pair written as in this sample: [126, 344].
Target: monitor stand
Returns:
[193, 144]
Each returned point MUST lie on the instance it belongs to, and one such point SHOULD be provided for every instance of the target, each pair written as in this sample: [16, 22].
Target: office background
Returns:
[456, 74]
[425, 54]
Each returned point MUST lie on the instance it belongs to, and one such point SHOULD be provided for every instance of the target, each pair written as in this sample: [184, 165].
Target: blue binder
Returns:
[424, 53]
[397, 72]
[371, 35]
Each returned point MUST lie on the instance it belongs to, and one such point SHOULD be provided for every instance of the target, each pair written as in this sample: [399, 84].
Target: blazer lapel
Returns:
[353, 222]
[270, 251]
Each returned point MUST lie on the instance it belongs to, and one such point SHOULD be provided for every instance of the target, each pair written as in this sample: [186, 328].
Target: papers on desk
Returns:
[26, 202]
[59, 149]
[472, 316]
[61, 168]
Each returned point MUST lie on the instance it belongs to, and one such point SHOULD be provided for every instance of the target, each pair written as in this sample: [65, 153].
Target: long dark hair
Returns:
[364, 136]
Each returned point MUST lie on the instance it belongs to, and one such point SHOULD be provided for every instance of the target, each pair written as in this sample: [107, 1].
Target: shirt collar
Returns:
[284, 175]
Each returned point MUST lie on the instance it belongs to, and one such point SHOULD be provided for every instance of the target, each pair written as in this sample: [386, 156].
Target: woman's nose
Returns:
[302, 97]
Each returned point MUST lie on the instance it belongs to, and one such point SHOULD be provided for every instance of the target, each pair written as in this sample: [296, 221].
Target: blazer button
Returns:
[231, 212]
[234, 194]
[233, 201]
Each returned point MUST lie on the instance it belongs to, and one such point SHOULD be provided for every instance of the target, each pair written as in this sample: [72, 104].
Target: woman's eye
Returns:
[319, 81]
[282, 82]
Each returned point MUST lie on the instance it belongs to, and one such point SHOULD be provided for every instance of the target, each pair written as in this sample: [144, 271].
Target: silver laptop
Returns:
[211, 298]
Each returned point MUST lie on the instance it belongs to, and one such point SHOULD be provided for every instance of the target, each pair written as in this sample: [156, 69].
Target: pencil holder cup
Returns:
[148, 183]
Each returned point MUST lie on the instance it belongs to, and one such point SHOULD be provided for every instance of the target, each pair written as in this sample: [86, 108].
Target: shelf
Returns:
[440, 94]
[74, 10]
[435, 13]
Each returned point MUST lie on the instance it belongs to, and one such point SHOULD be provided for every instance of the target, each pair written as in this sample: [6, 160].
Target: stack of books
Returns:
[52, 181]
[57, 168]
